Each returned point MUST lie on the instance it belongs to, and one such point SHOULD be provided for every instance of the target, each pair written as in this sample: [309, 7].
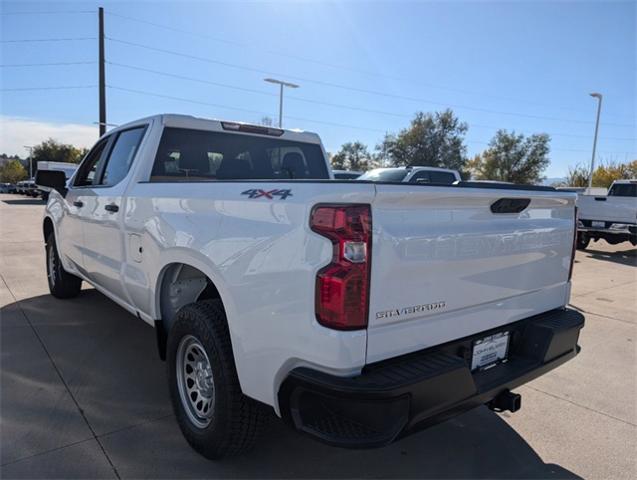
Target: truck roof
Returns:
[188, 121]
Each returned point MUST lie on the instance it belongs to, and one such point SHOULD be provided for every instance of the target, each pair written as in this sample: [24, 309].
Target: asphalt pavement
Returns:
[83, 393]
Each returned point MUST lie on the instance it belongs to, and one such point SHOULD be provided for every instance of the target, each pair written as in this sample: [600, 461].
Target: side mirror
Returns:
[53, 179]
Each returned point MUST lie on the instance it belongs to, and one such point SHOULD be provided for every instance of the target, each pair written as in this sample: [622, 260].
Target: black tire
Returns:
[61, 283]
[582, 241]
[235, 420]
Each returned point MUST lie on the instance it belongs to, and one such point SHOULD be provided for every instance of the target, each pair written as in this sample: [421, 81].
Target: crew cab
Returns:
[433, 175]
[359, 311]
[611, 217]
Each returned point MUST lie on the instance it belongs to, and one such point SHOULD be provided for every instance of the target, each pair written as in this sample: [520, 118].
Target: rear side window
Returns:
[434, 177]
[122, 155]
[623, 190]
[385, 175]
[188, 155]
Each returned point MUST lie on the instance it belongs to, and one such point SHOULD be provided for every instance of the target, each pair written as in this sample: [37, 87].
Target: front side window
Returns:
[88, 169]
[187, 155]
[122, 155]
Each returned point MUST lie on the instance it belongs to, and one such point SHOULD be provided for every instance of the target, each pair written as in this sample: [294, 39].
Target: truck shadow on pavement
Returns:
[623, 257]
[109, 363]
[25, 201]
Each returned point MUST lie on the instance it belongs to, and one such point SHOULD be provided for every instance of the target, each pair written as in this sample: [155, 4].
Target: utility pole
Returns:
[598, 96]
[102, 74]
[281, 84]
[30, 149]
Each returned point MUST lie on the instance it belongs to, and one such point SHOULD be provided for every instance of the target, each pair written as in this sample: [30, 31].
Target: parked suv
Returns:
[431, 175]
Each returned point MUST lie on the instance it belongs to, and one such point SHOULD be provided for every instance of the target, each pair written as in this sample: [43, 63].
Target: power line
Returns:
[331, 65]
[35, 40]
[319, 102]
[357, 127]
[65, 87]
[54, 64]
[192, 79]
[67, 12]
[350, 88]
[227, 107]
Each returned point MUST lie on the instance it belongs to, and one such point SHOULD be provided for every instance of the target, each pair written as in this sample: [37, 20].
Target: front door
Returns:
[103, 210]
[70, 233]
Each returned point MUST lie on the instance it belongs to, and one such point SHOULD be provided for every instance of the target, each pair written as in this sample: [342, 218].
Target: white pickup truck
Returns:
[359, 311]
[611, 217]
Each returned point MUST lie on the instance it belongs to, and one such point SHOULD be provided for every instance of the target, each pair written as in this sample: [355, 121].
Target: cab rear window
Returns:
[187, 155]
[623, 190]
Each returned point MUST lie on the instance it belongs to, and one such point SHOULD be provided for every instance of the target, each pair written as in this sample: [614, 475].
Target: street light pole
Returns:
[281, 84]
[598, 96]
[30, 149]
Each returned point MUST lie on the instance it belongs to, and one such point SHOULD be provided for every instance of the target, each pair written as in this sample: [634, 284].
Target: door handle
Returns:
[78, 203]
[111, 208]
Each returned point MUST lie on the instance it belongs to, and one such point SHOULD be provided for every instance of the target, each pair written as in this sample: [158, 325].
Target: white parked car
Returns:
[432, 175]
[360, 312]
[611, 217]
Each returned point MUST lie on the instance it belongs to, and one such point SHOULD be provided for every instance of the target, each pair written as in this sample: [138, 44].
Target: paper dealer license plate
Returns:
[595, 224]
[490, 350]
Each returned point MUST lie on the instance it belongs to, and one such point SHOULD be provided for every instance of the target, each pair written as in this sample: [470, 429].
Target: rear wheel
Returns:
[582, 241]
[213, 414]
[61, 283]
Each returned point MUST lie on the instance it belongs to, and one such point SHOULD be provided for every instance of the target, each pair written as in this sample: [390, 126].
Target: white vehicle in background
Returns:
[346, 174]
[611, 217]
[359, 312]
[430, 175]
[66, 167]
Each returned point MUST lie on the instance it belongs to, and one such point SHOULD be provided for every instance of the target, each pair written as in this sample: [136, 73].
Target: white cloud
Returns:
[16, 132]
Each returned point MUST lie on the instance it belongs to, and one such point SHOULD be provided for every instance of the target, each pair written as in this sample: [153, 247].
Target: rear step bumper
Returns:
[396, 397]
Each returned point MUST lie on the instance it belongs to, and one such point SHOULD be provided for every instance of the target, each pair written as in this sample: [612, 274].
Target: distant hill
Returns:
[553, 180]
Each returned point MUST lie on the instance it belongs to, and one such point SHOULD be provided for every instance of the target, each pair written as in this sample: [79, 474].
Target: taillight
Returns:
[342, 287]
[570, 270]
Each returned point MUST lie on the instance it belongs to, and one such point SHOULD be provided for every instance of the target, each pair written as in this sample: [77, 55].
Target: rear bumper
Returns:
[396, 397]
[613, 232]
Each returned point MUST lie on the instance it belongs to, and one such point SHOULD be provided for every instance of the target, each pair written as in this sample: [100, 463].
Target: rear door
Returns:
[446, 264]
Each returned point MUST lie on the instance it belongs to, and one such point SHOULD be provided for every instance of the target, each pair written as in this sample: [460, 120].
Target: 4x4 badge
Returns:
[269, 194]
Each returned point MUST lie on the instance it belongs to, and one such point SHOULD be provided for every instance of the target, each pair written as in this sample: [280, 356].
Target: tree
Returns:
[352, 156]
[267, 121]
[434, 140]
[513, 158]
[607, 173]
[603, 176]
[52, 151]
[12, 172]
[577, 176]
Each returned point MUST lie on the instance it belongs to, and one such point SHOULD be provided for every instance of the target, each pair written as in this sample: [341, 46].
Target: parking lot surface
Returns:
[83, 392]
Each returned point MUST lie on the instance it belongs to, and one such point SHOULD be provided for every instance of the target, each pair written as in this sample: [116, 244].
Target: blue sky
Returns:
[528, 67]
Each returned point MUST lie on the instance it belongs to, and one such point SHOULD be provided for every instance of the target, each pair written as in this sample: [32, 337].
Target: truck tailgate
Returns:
[607, 208]
[445, 266]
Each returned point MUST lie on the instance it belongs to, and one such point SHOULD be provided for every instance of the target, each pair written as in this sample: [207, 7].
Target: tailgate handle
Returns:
[510, 205]
[600, 199]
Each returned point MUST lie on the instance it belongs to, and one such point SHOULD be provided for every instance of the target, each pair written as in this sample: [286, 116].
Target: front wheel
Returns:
[213, 414]
[61, 283]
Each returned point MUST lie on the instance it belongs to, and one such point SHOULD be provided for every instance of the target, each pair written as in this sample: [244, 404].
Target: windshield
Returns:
[384, 175]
